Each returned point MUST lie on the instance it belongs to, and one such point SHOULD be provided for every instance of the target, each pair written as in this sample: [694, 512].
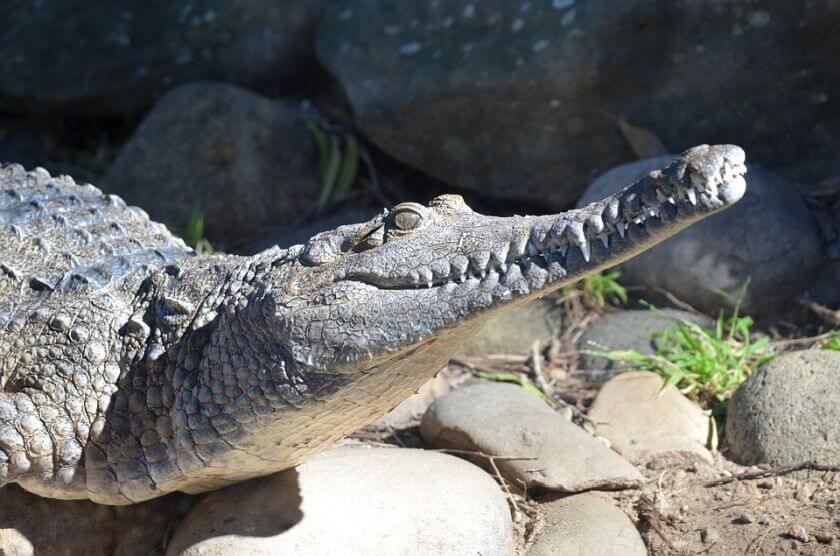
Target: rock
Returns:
[456, 87]
[788, 411]
[624, 330]
[117, 58]
[506, 420]
[586, 524]
[799, 533]
[824, 538]
[410, 411]
[286, 236]
[247, 161]
[355, 500]
[709, 536]
[515, 331]
[31, 524]
[768, 237]
[644, 422]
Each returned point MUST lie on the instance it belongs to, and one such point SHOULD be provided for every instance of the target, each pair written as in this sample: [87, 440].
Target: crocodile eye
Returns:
[407, 219]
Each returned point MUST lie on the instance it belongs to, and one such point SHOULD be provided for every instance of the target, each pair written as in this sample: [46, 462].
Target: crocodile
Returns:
[133, 367]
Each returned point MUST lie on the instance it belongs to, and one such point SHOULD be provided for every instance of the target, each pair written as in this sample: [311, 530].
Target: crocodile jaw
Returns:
[443, 280]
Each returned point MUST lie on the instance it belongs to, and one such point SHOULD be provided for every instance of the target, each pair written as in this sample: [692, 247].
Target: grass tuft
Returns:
[510, 377]
[705, 364]
[599, 289]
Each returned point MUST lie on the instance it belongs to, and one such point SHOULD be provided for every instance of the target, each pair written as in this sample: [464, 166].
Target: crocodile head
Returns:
[408, 287]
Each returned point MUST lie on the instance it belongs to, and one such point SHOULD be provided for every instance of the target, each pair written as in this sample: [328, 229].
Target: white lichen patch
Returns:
[410, 48]
[540, 45]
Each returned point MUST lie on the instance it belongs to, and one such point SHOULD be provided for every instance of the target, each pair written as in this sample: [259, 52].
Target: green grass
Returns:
[510, 377]
[338, 159]
[193, 231]
[833, 342]
[600, 288]
[705, 364]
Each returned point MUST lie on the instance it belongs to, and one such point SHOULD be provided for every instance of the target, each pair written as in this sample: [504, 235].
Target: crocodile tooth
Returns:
[429, 284]
[692, 196]
[562, 249]
[620, 226]
[584, 248]
[538, 235]
[532, 251]
[517, 246]
[595, 222]
[654, 211]
[479, 261]
[462, 278]
[503, 267]
[611, 210]
[604, 237]
[660, 196]
[558, 229]
[575, 232]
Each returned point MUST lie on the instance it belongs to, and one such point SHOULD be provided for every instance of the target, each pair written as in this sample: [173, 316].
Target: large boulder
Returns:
[355, 500]
[527, 100]
[768, 237]
[246, 161]
[31, 524]
[788, 411]
[115, 58]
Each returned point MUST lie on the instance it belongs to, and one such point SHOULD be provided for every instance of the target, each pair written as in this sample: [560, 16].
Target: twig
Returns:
[498, 474]
[763, 474]
[653, 517]
[793, 342]
[831, 317]
[536, 368]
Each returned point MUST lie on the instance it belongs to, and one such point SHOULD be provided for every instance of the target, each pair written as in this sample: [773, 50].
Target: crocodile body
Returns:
[133, 367]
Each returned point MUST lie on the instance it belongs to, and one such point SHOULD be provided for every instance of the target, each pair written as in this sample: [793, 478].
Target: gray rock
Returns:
[248, 161]
[768, 237]
[355, 500]
[515, 331]
[506, 420]
[643, 422]
[117, 58]
[286, 236]
[631, 329]
[788, 411]
[586, 524]
[30, 524]
[521, 100]
[409, 412]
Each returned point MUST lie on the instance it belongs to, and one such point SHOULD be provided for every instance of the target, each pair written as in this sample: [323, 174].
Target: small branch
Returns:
[498, 474]
[763, 474]
[795, 342]
[831, 317]
[536, 368]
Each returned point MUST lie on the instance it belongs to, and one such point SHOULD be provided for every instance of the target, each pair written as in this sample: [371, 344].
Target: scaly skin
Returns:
[133, 367]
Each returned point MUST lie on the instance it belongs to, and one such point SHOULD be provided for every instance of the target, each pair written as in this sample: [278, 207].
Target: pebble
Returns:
[799, 533]
[746, 518]
[709, 536]
[824, 537]
[804, 493]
